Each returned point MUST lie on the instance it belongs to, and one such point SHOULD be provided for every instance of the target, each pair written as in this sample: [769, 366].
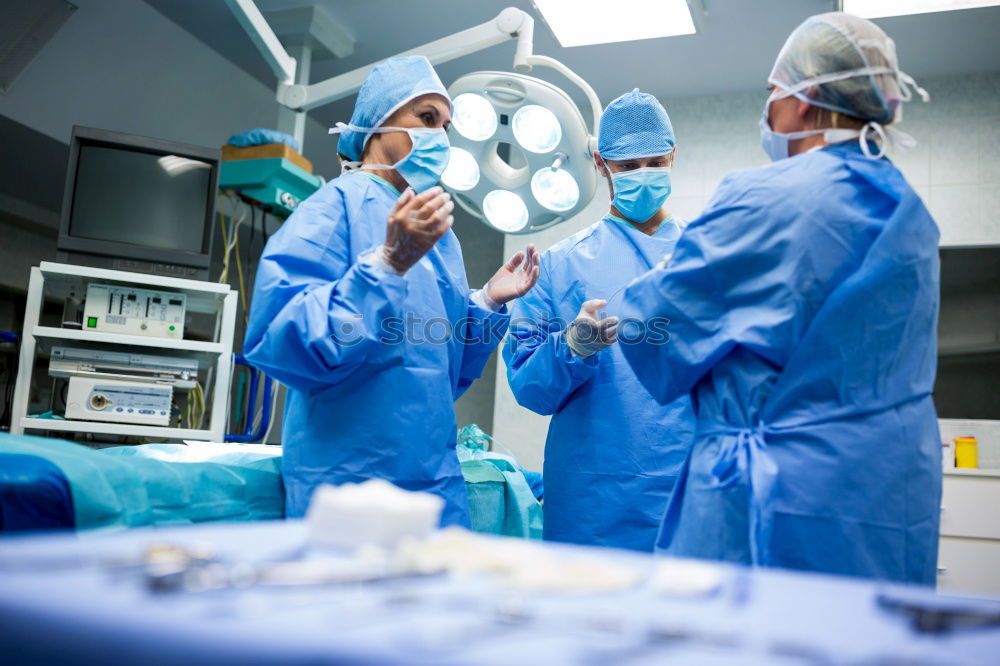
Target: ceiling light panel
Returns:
[583, 22]
[881, 8]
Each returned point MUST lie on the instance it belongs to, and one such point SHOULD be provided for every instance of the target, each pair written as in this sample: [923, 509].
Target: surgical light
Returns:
[521, 152]
[582, 22]
[880, 8]
[555, 189]
[535, 167]
[474, 117]
[536, 129]
[462, 173]
[505, 211]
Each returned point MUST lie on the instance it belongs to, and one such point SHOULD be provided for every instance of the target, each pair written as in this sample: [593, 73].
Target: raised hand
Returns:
[514, 278]
[587, 334]
[415, 224]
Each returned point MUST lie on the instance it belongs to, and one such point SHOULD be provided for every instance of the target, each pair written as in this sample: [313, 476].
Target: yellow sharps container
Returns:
[966, 452]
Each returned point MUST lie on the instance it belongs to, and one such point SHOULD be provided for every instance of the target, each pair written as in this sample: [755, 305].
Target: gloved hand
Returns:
[514, 278]
[587, 335]
[415, 224]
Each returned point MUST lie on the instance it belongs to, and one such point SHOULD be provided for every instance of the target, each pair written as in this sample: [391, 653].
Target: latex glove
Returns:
[415, 224]
[587, 334]
[514, 278]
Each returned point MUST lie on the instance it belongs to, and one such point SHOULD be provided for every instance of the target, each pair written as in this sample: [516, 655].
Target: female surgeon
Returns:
[612, 453]
[362, 309]
[802, 306]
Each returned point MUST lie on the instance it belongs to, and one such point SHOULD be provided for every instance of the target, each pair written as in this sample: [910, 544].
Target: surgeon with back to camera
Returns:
[347, 294]
[803, 305]
[613, 453]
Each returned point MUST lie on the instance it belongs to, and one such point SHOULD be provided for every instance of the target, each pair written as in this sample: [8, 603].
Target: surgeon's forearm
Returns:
[379, 258]
[544, 375]
[327, 330]
[481, 299]
[484, 329]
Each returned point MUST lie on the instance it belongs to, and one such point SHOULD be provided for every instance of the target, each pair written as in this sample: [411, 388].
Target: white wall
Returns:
[955, 168]
[123, 66]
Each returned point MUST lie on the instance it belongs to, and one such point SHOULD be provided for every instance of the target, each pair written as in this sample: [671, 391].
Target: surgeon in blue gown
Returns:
[613, 453]
[362, 309]
[802, 306]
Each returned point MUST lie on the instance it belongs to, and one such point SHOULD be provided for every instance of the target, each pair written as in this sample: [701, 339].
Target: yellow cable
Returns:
[201, 399]
[200, 396]
[194, 407]
[223, 277]
[243, 291]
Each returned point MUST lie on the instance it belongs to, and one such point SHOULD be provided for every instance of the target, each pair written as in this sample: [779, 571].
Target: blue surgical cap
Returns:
[633, 126]
[389, 86]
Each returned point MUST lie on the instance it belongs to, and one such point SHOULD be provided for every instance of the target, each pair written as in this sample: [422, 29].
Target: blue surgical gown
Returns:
[373, 361]
[802, 308]
[612, 453]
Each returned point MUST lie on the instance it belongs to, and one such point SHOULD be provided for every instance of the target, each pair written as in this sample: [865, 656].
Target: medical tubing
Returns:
[274, 411]
[254, 431]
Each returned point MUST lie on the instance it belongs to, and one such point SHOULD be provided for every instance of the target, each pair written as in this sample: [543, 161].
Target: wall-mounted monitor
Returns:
[138, 204]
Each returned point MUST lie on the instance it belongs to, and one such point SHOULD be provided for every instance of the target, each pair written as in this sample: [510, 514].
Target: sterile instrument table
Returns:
[61, 603]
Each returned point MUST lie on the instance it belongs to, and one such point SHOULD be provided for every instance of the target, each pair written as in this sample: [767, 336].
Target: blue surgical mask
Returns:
[639, 193]
[422, 167]
[775, 144]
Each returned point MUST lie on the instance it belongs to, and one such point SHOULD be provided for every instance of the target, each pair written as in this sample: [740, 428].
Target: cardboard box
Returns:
[235, 153]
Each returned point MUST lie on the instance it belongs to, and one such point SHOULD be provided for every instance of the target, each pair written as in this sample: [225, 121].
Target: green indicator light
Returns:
[91, 322]
[171, 327]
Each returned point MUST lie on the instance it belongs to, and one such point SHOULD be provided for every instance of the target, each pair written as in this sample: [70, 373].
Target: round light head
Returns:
[555, 189]
[474, 117]
[511, 129]
[536, 128]
[462, 173]
[505, 210]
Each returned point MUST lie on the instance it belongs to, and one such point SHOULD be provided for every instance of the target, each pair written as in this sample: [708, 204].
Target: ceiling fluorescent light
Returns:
[582, 22]
[881, 8]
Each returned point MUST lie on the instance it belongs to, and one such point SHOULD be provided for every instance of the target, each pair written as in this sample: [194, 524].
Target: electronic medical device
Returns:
[137, 204]
[131, 311]
[95, 399]
[180, 373]
[273, 175]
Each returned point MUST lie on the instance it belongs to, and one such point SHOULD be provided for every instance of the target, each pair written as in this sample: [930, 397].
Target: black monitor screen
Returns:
[968, 373]
[141, 198]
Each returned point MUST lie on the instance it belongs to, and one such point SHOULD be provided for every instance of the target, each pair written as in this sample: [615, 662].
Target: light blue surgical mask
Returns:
[775, 144]
[422, 167]
[639, 193]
